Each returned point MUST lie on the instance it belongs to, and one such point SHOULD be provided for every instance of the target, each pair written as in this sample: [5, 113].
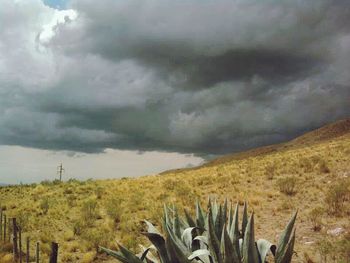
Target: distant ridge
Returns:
[328, 132]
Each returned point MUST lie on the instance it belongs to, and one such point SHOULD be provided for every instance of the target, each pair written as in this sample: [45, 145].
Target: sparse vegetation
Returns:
[114, 209]
[335, 250]
[287, 185]
[69, 205]
[337, 195]
[89, 212]
[45, 205]
[316, 218]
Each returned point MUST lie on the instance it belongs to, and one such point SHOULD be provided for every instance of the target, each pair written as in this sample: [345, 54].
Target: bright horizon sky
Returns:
[28, 165]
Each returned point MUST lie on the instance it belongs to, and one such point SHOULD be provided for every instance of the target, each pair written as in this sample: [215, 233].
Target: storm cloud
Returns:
[203, 77]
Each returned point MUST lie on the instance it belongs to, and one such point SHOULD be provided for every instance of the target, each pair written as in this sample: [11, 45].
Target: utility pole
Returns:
[60, 171]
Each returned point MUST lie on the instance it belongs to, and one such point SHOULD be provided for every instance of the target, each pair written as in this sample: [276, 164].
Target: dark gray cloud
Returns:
[204, 77]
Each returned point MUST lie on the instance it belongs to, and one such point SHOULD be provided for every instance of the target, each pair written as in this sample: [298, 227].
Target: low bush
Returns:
[89, 211]
[45, 205]
[287, 185]
[315, 216]
[336, 197]
[114, 209]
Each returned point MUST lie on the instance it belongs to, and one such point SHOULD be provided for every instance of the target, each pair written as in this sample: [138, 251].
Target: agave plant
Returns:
[210, 237]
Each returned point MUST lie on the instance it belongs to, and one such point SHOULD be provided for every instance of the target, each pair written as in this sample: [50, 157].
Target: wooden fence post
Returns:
[20, 243]
[5, 228]
[0, 222]
[54, 252]
[37, 252]
[9, 229]
[27, 250]
[15, 243]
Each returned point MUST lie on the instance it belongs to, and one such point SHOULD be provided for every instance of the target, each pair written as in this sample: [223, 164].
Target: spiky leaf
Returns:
[287, 255]
[264, 247]
[244, 219]
[214, 244]
[284, 238]
[250, 252]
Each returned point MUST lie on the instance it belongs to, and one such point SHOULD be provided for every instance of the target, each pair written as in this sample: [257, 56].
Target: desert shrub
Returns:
[136, 200]
[78, 227]
[97, 237]
[23, 220]
[68, 191]
[169, 184]
[46, 182]
[315, 216]
[325, 249]
[99, 191]
[323, 167]
[287, 185]
[270, 171]
[45, 205]
[342, 248]
[306, 164]
[89, 211]
[336, 196]
[71, 200]
[205, 180]
[114, 209]
[88, 257]
[56, 182]
[334, 250]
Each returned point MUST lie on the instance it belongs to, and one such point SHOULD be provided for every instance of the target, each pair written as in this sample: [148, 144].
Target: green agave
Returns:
[211, 237]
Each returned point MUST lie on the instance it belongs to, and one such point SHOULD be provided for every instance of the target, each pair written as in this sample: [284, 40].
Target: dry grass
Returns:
[81, 215]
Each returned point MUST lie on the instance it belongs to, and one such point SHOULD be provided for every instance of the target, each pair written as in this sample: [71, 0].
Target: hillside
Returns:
[328, 132]
[81, 215]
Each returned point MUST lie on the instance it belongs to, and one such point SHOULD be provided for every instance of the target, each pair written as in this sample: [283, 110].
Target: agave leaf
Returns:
[240, 242]
[264, 247]
[159, 242]
[287, 255]
[189, 219]
[200, 216]
[225, 211]
[244, 219]
[151, 228]
[214, 244]
[219, 222]
[132, 258]
[177, 248]
[202, 254]
[234, 233]
[124, 255]
[116, 254]
[202, 239]
[250, 252]
[229, 219]
[186, 236]
[285, 237]
[166, 218]
[149, 257]
[144, 254]
[176, 224]
[229, 252]
[214, 208]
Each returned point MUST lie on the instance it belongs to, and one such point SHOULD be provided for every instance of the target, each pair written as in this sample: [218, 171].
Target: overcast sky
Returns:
[99, 82]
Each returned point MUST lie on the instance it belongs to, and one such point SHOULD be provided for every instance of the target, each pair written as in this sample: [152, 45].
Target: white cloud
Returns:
[59, 17]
